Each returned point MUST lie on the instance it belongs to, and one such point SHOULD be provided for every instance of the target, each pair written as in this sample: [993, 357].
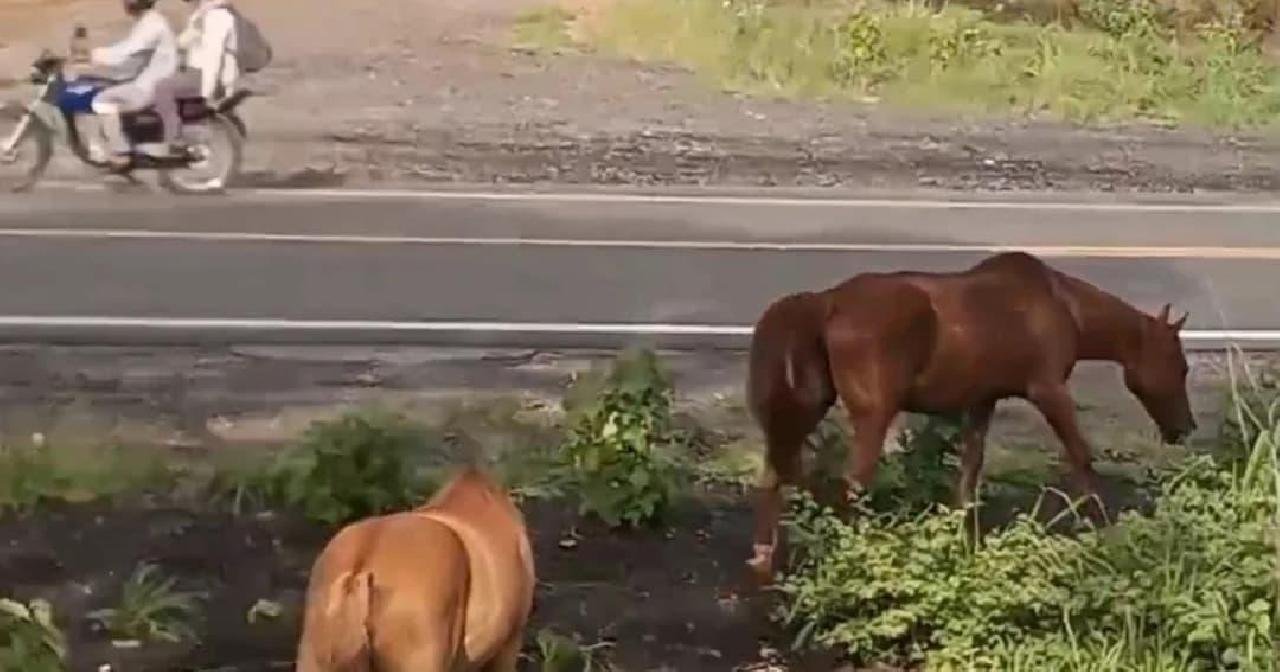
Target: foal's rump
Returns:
[385, 591]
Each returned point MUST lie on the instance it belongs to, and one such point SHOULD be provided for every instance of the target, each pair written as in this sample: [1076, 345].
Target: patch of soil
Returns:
[666, 598]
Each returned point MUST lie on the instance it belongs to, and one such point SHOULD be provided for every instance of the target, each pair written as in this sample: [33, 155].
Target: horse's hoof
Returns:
[761, 566]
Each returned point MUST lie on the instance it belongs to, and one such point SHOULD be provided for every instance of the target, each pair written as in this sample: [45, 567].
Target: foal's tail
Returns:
[789, 375]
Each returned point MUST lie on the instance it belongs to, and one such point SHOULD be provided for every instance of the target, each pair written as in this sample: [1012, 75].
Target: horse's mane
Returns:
[469, 485]
[1108, 323]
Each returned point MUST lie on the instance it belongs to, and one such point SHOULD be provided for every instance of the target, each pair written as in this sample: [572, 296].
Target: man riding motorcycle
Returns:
[151, 49]
[210, 65]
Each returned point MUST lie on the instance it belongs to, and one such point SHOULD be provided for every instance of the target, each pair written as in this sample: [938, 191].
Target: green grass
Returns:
[545, 28]
[38, 473]
[955, 60]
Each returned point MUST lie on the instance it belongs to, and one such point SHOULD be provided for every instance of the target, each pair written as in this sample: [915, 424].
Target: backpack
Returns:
[253, 52]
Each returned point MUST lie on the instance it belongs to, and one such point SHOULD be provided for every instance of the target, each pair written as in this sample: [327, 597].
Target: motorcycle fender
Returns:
[238, 123]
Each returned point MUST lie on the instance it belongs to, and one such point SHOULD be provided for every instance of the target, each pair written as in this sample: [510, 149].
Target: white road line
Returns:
[464, 326]
[605, 197]
[817, 201]
[1097, 251]
[251, 324]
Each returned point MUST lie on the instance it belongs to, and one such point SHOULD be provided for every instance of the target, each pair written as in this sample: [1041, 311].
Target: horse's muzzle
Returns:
[1179, 435]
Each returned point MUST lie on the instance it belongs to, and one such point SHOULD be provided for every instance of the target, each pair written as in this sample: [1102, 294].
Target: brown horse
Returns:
[446, 587]
[952, 343]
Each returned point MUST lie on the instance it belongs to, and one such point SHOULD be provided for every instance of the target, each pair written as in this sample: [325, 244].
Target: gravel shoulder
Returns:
[432, 93]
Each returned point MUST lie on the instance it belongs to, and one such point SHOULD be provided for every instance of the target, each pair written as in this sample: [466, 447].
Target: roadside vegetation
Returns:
[1192, 585]
[1087, 61]
[1189, 583]
[35, 473]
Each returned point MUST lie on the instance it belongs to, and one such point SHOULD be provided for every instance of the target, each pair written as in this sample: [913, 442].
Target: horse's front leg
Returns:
[1055, 403]
[973, 440]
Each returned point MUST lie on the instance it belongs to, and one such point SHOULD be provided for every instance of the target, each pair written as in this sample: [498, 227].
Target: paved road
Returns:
[451, 268]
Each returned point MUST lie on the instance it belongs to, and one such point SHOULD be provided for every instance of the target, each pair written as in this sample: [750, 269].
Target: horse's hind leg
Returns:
[871, 381]
[1055, 403]
[870, 426]
[785, 434]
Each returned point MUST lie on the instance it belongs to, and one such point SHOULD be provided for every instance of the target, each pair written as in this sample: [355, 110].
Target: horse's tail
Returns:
[789, 370]
[340, 635]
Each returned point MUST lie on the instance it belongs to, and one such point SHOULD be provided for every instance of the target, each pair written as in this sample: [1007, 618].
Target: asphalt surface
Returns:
[559, 270]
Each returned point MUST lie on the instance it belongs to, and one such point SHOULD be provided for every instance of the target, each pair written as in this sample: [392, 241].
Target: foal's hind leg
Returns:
[1057, 406]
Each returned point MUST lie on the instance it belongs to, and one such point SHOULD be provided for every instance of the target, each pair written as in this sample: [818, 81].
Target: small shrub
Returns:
[242, 484]
[619, 450]
[924, 473]
[911, 480]
[862, 59]
[961, 41]
[355, 466]
[1125, 18]
[151, 610]
[558, 653]
[29, 639]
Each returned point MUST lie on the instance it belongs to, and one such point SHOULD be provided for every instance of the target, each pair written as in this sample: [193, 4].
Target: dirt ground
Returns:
[668, 599]
[431, 92]
[660, 596]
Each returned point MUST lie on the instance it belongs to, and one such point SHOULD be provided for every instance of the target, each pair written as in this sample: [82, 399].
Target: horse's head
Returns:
[1157, 375]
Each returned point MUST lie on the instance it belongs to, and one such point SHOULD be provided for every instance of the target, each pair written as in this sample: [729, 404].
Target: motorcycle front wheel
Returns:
[22, 165]
[217, 146]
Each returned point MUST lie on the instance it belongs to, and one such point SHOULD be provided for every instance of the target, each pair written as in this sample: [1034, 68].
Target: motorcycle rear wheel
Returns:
[220, 146]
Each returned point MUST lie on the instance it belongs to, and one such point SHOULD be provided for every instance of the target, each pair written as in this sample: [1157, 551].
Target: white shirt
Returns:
[151, 39]
[209, 41]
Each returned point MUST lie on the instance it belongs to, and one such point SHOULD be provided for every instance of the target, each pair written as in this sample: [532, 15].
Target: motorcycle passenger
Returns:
[210, 68]
[151, 49]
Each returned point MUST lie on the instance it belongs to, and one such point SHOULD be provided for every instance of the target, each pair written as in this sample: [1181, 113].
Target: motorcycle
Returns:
[215, 134]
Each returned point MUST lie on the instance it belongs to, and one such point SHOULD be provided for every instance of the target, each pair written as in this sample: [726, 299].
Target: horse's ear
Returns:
[1177, 326]
[1164, 314]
